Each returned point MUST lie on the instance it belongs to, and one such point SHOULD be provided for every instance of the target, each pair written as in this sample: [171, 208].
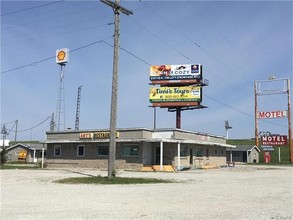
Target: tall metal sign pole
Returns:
[258, 90]
[112, 148]
[62, 57]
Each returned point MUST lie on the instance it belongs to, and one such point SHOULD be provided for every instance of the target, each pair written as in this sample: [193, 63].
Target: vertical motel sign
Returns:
[283, 87]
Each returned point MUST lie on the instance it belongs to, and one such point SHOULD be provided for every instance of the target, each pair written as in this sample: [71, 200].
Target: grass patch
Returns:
[114, 180]
[11, 166]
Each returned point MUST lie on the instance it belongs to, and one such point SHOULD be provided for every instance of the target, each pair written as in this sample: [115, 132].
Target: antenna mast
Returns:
[78, 108]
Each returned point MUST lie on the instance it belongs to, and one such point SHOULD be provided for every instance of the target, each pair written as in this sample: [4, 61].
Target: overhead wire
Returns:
[196, 44]
[193, 42]
[37, 125]
[104, 41]
[39, 20]
[53, 57]
[224, 36]
[30, 8]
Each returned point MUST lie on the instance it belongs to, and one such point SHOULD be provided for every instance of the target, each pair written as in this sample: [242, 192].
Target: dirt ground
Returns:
[241, 192]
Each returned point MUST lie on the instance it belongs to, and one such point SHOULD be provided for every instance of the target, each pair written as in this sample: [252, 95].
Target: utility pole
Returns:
[289, 122]
[4, 133]
[112, 147]
[16, 127]
[52, 123]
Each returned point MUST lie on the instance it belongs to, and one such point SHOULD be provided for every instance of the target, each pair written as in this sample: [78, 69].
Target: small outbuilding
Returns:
[30, 153]
[244, 154]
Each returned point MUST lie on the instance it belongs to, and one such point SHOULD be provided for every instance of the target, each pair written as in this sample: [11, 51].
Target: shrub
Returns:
[3, 156]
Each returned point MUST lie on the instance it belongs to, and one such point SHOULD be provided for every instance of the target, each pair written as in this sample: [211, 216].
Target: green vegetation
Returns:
[284, 151]
[114, 180]
[241, 141]
[23, 166]
[3, 158]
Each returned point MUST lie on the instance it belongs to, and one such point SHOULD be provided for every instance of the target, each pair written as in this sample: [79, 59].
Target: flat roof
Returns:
[150, 140]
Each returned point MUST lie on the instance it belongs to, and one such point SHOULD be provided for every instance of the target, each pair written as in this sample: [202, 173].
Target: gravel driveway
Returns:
[241, 192]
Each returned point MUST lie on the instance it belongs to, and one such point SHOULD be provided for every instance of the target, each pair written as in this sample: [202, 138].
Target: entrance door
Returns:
[157, 155]
[191, 156]
[244, 157]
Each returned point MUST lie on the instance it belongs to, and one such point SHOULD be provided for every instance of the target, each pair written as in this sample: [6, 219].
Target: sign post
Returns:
[282, 87]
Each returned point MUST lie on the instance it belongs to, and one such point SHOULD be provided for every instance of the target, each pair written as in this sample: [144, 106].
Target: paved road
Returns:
[243, 192]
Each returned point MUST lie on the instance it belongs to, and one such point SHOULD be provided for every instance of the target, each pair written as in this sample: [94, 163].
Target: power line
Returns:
[192, 41]
[34, 126]
[53, 57]
[242, 112]
[30, 8]
[127, 51]
[224, 37]
[233, 108]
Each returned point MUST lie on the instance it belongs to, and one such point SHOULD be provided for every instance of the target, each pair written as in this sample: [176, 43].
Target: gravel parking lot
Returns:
[241, 192]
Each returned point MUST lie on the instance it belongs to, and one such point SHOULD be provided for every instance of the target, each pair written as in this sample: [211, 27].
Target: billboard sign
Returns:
[274, 140]
[175, 94]
[272, 114]
[176, 72]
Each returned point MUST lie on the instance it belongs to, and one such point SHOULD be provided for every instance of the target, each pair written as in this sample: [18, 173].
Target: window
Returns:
[216, 151]
[207, 152]
[80, 150]
[57, 150]
[130, 150]
[198, 152]
[103, 150]
[183, 151]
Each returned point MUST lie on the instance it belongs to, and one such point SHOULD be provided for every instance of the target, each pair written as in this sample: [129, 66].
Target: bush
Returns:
[3, 156]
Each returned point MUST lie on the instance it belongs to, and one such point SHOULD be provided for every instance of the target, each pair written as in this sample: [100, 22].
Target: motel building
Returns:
[138, 149]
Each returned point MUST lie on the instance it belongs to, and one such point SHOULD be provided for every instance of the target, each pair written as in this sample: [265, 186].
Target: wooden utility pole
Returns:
[289, 122]
[112, 147]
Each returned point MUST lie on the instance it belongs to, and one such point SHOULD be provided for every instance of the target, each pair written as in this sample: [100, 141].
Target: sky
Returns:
[237, 43]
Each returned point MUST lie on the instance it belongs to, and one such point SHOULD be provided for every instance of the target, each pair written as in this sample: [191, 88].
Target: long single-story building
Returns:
[136, 148]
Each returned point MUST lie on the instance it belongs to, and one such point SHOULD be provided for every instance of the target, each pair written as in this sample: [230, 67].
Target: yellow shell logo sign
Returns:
[61, 55]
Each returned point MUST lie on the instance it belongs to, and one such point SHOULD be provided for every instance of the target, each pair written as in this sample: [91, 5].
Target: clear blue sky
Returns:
[236, 42]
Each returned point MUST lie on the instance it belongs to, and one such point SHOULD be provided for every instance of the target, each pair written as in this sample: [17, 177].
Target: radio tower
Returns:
[78, 109]
[62, 56]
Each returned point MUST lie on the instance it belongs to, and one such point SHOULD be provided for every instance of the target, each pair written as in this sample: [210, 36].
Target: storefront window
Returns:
[57, 150]
[103, 150]
[198, 152]
[130, 150]
[80, 150]
[183, 151]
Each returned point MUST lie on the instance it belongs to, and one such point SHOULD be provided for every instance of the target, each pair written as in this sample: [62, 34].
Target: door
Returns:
[244, 157]
[157, 155]
[191, 156]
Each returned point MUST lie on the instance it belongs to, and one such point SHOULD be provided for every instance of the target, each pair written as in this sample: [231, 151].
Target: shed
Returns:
[31, 153]
[244, 154]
